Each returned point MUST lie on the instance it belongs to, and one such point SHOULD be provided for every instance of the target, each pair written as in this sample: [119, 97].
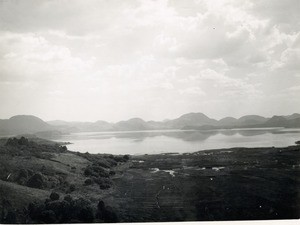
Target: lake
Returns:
[178, 141]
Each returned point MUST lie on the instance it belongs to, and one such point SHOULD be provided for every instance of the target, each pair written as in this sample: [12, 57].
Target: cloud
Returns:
[282, 14]
[176, 56]
[192, 91]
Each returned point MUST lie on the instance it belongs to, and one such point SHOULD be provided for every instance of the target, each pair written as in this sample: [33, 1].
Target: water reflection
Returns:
[155, 142]
[188, 135]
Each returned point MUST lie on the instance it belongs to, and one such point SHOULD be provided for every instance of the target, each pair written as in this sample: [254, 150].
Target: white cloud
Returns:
[193, 91]
[129, 55]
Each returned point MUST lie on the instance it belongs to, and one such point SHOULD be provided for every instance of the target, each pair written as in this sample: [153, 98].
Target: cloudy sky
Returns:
[116, 59]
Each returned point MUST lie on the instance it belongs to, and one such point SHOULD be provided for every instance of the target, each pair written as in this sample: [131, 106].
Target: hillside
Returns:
[251, 120]
[191, 119]
[23, 124]
[132, 124]
[45, 183]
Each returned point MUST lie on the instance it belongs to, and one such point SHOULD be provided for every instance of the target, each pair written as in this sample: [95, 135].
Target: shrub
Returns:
[54, 196]
[35, 209]
[65, 211]
[22, 177]
[126, 157]
[109, 215]
[112, 172]
[23, 141]
[68, 198]
[64, 148]
[88, 172]
[96, 171]
[88, 181]
[36, 181]
[48, 216]
[55, 206]
[11, 217]
[72, 187]
[86, 214]
[23, 173]
[104, 183]
[100, 205]
[106, 213]
[103, 164]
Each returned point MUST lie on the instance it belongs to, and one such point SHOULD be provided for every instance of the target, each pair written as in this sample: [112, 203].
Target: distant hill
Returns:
[282, 121]
[251, 120]
[227, 121]
[191, 119]
[23, 124]
[293, 116]
[26, 124]
[276, 121]
[293, 123]
[82, 126]
[132, 124]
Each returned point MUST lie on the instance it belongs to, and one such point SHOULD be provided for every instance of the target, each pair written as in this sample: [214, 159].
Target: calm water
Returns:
[149, 142]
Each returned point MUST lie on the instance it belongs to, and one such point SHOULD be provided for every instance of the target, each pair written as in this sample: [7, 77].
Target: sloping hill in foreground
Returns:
[46, 183]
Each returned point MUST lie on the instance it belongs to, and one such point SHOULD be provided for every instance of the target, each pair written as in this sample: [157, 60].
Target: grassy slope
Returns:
[261, 183]
[61, 169]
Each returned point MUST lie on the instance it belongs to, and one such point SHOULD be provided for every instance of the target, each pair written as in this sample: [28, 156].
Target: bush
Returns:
[96, 171]
[126, 157]
[11, 217]
[86, 214]
[102, 163]
[112, 173]
[104, 183]
[68, 211]
[109, 215]
[104, 186]
[72, 187]
[23, 173]
[23, 141]
[22, 177]
[106, 213]
[64, 148]
[55, 206]
[54, 196]
[35, 209]
[36, 181]
[88, 181]
[68, 198]
[88, 172]
[48, 216]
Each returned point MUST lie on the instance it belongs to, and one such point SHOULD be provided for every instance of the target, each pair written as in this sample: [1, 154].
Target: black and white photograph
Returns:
[149, 111]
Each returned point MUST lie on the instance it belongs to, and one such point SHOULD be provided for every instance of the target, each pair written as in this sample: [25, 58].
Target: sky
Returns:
[79, 60]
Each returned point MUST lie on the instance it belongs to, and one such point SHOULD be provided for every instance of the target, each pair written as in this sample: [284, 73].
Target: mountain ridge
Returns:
[21, 124]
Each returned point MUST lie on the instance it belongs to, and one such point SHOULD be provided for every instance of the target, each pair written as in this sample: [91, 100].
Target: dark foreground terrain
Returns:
[43, 182]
